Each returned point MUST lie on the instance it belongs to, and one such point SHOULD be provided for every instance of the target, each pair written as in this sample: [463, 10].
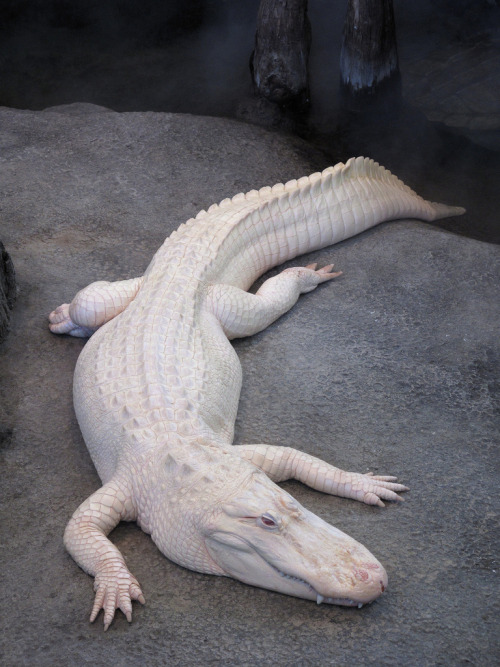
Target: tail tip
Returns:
[444, 211]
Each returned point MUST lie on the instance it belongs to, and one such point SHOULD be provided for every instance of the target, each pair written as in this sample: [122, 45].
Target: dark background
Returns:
[192, 56]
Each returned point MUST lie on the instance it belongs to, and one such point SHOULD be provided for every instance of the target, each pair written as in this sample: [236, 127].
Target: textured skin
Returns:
[156, 392]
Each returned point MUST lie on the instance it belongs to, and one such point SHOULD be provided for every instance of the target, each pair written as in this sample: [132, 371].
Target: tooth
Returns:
[360, 604]
[319, 599]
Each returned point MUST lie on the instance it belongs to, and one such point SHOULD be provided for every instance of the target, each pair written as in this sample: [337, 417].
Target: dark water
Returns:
[193, 56]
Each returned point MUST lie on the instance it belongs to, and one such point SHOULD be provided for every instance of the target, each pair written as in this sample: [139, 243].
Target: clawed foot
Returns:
[371, 489]
[61, 323]
[309, 277]
[115, 588]
[325, 273]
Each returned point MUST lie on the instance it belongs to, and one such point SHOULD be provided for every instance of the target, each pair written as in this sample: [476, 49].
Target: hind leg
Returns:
[93, 306]
[243, 314]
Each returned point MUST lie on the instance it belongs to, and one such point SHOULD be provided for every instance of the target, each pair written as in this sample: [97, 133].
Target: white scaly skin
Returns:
[156, 392]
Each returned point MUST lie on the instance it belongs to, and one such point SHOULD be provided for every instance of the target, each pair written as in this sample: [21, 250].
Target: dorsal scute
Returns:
[321, 179]
[363, 167]
[329, 178]
[186, 469]
[333, 170]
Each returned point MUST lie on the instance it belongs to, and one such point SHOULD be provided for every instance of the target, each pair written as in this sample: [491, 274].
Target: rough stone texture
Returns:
[7, 290]
[392, 368]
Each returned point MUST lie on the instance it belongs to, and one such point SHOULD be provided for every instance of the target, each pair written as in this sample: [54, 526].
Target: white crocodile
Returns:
[156, 392]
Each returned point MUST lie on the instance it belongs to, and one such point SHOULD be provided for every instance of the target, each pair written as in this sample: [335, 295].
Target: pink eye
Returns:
[268, 521]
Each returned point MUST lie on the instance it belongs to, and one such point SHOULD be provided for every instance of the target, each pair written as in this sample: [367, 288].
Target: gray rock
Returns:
[393, 368]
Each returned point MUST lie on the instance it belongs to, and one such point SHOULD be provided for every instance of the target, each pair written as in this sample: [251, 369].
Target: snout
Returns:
[346, 573]
[367, 581]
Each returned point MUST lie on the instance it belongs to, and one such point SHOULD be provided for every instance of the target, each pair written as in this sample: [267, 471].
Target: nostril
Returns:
[360, 574]
[382, 586]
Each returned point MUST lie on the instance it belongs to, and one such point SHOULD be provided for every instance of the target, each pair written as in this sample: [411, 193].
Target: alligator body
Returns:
[156, 391]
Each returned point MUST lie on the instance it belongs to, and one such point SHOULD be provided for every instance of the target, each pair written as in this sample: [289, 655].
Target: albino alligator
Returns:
[156, 392]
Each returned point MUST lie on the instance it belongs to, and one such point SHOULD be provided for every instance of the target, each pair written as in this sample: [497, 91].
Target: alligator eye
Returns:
[268, 521]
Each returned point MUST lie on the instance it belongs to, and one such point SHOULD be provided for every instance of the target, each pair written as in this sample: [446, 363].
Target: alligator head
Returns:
[264, 537]
[240, 524]
[219, 514]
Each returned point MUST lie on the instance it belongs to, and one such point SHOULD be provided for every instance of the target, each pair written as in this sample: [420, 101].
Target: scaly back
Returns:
[238, 239]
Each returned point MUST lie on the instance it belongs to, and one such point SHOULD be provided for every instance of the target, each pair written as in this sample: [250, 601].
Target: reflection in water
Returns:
[192, 57]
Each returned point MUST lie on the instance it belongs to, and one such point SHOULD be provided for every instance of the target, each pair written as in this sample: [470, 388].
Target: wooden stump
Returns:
[369, 66]
[7, 290]
[279, 62]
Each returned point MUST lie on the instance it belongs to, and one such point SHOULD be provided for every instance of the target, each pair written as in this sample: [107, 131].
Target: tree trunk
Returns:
[7, 290]
[279, 62]
[369, 67]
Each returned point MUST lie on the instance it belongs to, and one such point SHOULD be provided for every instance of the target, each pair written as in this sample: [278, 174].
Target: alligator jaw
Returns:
[268, 575]
[345, 602]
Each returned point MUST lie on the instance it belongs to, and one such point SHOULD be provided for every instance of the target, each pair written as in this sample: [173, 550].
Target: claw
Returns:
[99, 599]
[382, 478]
[115, 590]
[373, 491]
[371, 498]
[326, 274]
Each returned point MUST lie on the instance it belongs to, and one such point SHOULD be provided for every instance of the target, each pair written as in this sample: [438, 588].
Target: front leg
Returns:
[243, 314]
[93, 306]
[282, 463]
[85, 539]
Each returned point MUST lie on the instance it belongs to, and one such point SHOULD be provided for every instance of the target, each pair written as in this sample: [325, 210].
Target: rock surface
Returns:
[393, 368]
